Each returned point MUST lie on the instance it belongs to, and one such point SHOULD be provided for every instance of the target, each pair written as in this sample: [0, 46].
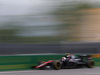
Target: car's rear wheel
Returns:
[57, 65]
[90, 64]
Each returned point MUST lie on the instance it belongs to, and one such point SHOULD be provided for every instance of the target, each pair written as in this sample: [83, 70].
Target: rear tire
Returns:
[90, 64]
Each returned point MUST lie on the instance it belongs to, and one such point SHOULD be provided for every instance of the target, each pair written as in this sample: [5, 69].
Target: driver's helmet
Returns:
[67, 54]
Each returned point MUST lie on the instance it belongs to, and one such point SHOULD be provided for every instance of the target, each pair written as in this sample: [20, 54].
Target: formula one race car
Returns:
[76, 62]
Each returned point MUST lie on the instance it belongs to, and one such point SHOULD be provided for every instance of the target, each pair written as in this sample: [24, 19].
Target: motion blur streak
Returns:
[47, 26]
[49, 21]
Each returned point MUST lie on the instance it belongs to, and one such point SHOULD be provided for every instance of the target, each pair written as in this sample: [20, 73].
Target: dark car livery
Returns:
[76, 62]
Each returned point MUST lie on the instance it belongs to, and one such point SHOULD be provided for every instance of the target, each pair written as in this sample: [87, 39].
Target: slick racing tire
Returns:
[90, 64]
[41, 68]
[57, 65]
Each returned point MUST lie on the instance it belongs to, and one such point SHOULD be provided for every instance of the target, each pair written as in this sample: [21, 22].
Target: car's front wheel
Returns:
[57, 65]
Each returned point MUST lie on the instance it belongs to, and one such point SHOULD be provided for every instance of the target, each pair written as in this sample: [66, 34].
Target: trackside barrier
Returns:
[96, 58]
[24, 62]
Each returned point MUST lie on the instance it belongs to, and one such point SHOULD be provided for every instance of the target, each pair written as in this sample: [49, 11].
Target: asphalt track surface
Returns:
[82, 71]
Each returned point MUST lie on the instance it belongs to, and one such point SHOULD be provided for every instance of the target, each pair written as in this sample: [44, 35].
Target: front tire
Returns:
[57, 65]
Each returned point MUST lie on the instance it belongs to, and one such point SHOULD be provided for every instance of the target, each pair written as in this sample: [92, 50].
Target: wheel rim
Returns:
[58, 64]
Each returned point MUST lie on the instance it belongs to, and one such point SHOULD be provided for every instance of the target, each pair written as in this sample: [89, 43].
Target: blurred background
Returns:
[49, 26]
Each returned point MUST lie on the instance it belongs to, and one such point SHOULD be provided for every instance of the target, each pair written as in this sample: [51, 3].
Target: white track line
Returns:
[7, 72]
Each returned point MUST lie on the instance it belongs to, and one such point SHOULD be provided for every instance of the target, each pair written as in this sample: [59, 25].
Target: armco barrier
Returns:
[24, 62]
